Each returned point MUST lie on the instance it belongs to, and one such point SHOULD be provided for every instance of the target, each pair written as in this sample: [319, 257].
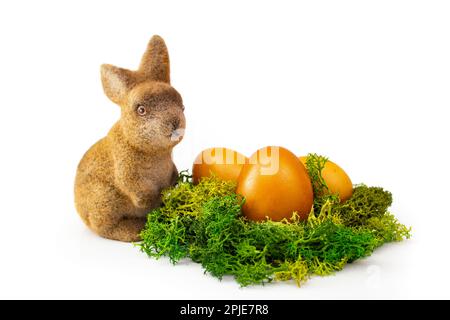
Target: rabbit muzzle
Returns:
[177, 128]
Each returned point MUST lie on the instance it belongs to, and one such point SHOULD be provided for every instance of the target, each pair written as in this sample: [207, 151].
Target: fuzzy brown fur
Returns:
[120, 178]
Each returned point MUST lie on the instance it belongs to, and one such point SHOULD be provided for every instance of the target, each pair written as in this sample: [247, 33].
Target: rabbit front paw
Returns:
[140, 201]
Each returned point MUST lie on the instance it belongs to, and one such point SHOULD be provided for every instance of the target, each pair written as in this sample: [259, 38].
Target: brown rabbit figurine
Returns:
[120, 178]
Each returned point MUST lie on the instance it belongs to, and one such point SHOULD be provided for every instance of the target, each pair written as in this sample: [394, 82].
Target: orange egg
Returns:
[225, 164]
[275, 184]
[336, 179]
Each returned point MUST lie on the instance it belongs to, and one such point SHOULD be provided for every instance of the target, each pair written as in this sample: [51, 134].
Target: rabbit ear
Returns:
[116, 82]
[155, 62]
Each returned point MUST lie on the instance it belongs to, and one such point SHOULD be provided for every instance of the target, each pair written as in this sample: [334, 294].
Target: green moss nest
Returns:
[204, 223]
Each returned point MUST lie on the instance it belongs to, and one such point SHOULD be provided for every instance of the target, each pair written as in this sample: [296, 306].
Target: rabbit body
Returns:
[120, 178]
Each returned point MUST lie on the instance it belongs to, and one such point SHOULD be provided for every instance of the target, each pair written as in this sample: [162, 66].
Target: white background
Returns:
[365, 83]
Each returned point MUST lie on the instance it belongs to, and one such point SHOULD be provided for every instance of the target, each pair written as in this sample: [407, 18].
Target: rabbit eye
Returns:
[141, 110]
[182, 107]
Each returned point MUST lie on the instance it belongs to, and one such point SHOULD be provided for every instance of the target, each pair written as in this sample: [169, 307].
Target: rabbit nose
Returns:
[175, 123]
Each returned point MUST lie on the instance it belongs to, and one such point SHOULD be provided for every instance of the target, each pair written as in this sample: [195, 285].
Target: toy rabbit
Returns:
[120, 178]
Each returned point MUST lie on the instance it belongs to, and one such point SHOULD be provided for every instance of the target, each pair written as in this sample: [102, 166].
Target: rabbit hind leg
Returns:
[109, 215]
[127, 229]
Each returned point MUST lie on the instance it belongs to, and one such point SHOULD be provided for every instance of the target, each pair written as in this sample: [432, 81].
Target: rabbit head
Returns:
[152, 111]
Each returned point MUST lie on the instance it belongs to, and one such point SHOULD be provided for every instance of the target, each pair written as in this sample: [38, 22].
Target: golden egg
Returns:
[336, 178]
[275, 183]
[225, 164]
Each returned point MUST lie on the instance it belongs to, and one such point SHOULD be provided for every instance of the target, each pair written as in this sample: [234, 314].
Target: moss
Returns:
[204, 222]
